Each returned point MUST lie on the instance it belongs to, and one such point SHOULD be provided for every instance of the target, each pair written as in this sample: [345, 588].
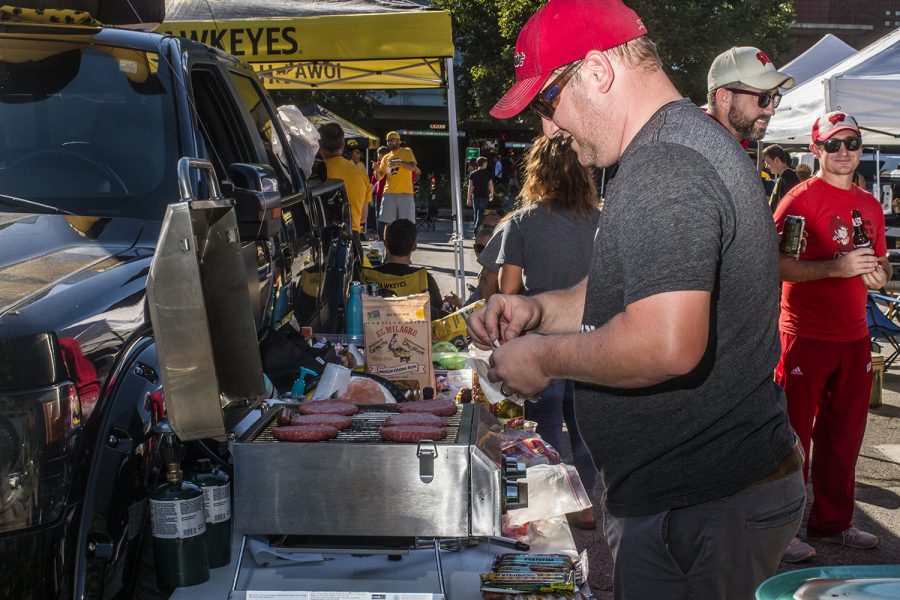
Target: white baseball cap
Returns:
[747, 65]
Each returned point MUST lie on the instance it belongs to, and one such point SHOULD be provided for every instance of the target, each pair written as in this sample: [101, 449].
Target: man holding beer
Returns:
[825, 367]
[671, 339]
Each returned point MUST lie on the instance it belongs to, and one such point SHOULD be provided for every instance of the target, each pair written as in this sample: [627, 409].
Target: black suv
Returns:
[94, 124]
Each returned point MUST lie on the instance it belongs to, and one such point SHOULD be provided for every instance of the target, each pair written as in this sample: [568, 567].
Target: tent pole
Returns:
[878, 195]
[454, 181]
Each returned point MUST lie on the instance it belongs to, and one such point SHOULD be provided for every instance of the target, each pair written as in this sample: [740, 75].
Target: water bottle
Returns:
[354, 312]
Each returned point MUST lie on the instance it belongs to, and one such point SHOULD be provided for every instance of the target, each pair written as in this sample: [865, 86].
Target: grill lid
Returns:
[202, 317]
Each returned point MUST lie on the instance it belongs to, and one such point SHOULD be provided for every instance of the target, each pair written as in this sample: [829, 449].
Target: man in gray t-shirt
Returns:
[673, 336]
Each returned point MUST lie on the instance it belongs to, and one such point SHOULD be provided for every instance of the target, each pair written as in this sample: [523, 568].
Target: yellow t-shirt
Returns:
[355, 182]
[399, 179]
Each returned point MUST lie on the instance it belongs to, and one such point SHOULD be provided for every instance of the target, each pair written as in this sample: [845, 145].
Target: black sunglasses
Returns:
[762, 98]
[547, 100]
[832, 145]
[478, 247]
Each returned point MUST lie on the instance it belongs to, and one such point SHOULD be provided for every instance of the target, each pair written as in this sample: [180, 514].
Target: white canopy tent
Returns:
[824, 54]
[866, 85]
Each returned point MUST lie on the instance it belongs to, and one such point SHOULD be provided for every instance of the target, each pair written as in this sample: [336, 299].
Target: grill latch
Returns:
[426, 452]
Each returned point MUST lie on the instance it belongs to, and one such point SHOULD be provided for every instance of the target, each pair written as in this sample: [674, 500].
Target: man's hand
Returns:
[802, 249]
[877, 279]
[504, 318]
[518, 365]
[861, 261]
[469, 201]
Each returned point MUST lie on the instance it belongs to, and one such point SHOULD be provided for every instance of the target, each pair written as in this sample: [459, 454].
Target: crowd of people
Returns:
[713, 374]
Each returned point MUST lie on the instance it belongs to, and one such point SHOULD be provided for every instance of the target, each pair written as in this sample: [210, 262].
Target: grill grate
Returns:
[366, 425]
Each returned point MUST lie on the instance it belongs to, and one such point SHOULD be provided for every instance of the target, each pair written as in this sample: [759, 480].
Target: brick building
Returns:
[857, 22]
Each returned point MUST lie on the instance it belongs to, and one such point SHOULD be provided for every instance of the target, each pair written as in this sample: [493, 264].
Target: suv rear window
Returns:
[86, 128]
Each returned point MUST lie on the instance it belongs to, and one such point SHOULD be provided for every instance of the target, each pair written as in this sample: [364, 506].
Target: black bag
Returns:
[284, 351]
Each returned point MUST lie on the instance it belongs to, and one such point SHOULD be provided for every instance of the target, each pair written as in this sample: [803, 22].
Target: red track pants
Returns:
[827, 386]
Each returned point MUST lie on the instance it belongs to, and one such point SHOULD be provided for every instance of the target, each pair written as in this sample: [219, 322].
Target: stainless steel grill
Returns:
[360, 485]
[366, 425]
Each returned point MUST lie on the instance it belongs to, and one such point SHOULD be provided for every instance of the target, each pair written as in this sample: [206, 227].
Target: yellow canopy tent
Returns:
[319, 115]
[396, 50]
[407, 49]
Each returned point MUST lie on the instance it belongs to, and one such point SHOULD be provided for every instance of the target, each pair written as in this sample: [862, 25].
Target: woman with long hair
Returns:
[547, 245]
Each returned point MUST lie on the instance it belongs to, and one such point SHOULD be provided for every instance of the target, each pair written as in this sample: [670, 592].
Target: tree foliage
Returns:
[688, 33]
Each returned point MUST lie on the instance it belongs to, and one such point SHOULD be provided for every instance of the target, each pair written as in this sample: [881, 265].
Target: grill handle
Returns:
[426, 453]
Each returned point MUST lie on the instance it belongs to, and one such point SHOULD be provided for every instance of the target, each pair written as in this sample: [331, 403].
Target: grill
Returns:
[365, 428]
[362, 486]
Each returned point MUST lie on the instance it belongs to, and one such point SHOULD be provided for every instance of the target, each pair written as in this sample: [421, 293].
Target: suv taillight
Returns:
[38, 430]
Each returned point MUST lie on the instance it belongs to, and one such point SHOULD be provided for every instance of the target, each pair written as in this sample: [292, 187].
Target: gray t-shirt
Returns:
[686, 211]
[553, 247]
[488, 256]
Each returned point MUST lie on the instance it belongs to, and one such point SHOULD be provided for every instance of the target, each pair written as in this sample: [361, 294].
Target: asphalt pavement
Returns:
[878, 469]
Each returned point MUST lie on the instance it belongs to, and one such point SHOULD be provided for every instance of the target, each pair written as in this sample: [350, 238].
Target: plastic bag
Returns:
[551, 535]
[479, 361]
[527, 448]
[303, 138]
[553, 491]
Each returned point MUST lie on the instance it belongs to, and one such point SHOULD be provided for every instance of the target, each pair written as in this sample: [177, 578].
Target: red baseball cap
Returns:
[560, 33]
[829, 124]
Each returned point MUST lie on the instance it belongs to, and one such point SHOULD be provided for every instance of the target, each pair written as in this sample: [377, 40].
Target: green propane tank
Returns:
[216, 489]
[178, 525]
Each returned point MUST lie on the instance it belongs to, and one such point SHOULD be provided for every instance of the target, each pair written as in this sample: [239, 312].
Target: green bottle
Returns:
[216, 489]
[178, 525]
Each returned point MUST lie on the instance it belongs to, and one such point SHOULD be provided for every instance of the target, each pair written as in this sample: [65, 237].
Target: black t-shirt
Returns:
[783, 185]
[686, 211]
[434, 293]
[479, 180]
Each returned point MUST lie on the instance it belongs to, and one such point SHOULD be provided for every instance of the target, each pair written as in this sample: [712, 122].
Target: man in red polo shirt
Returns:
[825, 367]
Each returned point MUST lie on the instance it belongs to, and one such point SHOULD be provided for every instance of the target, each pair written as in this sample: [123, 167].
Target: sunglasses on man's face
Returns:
[478, 248]
[547, 100]
[763, 99]
[832, 145]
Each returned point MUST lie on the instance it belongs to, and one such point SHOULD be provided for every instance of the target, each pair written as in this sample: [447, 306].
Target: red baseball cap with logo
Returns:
[560, 33]
[829, 124]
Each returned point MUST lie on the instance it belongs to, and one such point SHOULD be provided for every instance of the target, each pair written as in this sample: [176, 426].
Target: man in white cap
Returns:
[671, 339]
[742, 91]
[826, 365]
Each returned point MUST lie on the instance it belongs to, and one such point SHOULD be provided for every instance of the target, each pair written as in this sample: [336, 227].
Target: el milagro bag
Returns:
[397, 333]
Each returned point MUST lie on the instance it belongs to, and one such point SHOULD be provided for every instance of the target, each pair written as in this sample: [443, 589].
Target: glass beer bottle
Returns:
[860, 238]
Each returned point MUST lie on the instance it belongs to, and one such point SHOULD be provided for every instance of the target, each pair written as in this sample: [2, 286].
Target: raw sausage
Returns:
[304, 433]
[284, 416]
[421, 419]
[363, 390]
[328, 407]
[337, 421]
[412, 433]
[442, 408]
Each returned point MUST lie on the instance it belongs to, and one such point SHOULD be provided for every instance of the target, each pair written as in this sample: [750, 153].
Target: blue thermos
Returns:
[354, 312]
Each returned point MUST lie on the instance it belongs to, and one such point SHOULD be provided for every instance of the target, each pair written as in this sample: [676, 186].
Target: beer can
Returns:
[792, 235]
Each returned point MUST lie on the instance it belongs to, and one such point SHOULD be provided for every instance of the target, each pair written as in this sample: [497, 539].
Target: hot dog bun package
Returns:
[452, 328]
[397, 335]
